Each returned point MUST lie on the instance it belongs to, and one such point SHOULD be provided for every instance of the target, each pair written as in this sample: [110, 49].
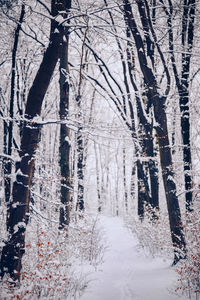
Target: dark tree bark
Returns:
[124, 180]
[18, 209]
[143, 187]
[80, 141]
[188, 17]
[80, 170]
[146, 135]
[152, 165]
[64, 148]
[158, 102]
[132, 188]
[182, 83]
[153, 169]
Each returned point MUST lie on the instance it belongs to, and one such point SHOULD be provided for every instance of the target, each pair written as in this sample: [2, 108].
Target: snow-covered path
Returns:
[127, 274]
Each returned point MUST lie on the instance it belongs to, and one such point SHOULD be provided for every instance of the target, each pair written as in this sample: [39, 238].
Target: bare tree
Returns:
[64, 136]
[182, 81]
[8, 134]
[80, 138]
[18, 208]
[158, 102]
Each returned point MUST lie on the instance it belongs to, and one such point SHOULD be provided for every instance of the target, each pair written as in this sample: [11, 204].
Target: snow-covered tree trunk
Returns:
[64, 148]
[9, 125]
[182, 83]
[18, 209]
[158, 102]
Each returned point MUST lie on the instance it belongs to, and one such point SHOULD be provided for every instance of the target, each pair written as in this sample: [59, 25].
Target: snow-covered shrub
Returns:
[86, 233]
[51, 260]
[153, 233]
[189, 269]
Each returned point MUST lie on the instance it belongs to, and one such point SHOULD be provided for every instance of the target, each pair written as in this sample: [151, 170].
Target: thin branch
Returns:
[44, 5]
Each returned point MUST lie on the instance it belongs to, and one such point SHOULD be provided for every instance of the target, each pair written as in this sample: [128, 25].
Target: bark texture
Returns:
[182, 83]
[64, 148]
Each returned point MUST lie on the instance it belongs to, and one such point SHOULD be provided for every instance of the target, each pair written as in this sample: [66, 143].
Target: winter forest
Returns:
[99, 123]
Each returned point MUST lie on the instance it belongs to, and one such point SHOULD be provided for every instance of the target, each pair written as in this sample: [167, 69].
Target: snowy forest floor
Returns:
[126, 273]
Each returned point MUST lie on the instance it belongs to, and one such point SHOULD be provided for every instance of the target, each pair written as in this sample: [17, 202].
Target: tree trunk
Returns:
[146, 140]
[98, 179]
[18, 209]
[154, 182]
[80, 142]
[176, 227]
[187, 30]
[8, 165]
[143, 188]
[80, 171]
[182, 83]
[124, 180]
[64, 148]
[152, 167]
[158, 103]
[133, 180]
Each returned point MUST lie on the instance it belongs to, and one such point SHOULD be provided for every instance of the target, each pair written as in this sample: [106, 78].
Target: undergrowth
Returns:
[51, 259]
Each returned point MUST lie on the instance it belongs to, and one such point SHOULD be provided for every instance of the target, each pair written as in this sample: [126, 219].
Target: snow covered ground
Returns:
[126, 274]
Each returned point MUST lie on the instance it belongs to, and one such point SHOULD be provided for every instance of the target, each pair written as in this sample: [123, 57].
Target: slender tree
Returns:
[64, 136]
[182, 81]
[124, 180]
[80, 139]
[144, 114]
[8, 127]
[98, 179]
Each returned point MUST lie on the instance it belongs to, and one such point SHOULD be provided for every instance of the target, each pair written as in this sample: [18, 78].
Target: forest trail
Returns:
[126, 274]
